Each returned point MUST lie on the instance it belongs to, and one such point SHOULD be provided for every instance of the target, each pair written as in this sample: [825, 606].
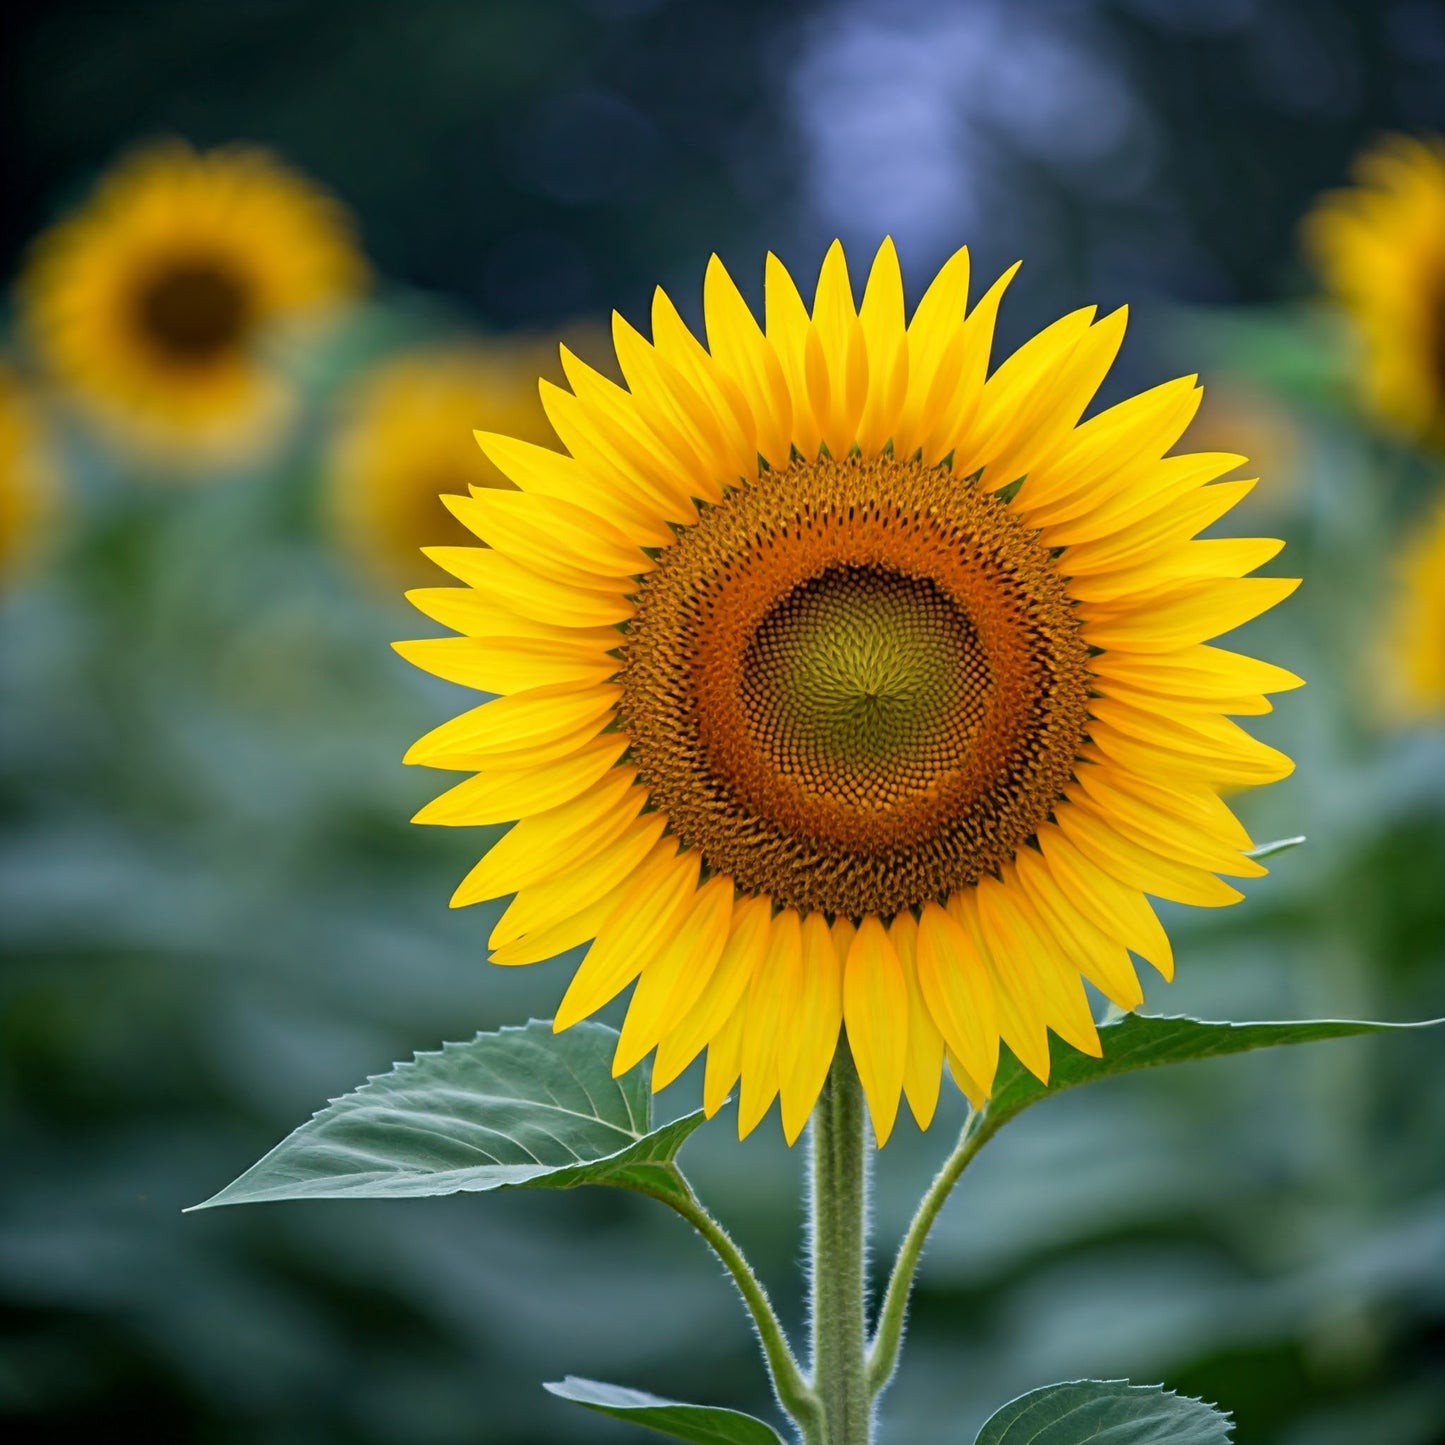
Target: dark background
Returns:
[214, 915]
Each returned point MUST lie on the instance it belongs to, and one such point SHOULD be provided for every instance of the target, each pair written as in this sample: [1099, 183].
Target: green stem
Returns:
[888, 1337]
[789, 1384]
[838, 1221]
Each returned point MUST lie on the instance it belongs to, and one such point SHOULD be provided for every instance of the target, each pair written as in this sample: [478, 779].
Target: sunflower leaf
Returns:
[1145, 1041]
[523, 1108]
[1093, 1410]
[702, 1424]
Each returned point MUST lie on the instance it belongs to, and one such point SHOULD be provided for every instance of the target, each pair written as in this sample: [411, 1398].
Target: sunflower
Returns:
[406, 437]
[1415, 643]
[158, 302]
[844, 686]
[27, 480]
[1380, 248]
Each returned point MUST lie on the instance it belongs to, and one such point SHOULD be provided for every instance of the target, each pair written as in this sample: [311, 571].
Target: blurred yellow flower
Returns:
[1415, 643]
[28, 481]
[158, 302]
[406, 436]
[1379, 246]
[848, 685]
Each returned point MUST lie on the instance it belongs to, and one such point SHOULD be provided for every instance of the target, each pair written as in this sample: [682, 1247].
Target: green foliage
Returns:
[702, 1424]
[521, 1108]
[1145, 1041]
[1099, 1410]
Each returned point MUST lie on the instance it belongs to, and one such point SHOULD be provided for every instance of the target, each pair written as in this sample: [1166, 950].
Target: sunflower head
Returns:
[28, 481]
[156, 303]
[405, 438]
[1379, 247]
[845, 687]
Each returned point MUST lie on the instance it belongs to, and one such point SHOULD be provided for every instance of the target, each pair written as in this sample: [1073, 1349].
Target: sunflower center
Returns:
[194, 310]
[862, 683]
[855, 686]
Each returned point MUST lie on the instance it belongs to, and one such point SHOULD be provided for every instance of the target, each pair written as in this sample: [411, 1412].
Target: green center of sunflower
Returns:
[194, 311]
[855, 686]
[862, 683]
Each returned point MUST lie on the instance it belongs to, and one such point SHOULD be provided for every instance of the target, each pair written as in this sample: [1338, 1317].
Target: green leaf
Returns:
[523, 1108]
[1268, 850]
[702, 1424]
[1147, 1041]
[1113, 1410]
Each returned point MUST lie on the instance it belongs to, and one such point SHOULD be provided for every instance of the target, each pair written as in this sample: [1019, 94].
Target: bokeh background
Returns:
[214, 914]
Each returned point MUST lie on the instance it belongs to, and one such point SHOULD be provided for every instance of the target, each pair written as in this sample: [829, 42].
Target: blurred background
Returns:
[213, 912]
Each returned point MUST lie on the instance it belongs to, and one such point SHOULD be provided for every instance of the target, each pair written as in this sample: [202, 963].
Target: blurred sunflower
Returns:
[1380, 248]
[1415, 641]
[407, 436]
[28, 483]
[157, 302]
[847, 686]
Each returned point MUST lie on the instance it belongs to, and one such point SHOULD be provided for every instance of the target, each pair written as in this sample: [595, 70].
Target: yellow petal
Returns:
[1188, 616]
[676, 412]
[547, 844]
[1019, 1006]
[1139, 867]
[1201, 745]
[718, 391]
[944, 396]
[1012, 925]
[768, 996]
[1102, 456]
[554, 539]
[509, 664]
[842, 342]
[501, 797]
[885, 339]
[875, 1011]
[958, 991]
[923, 1066]
[1195, 672]
[551, 474]
[787, 327]
[814, 1015]
[724, 1061]
[1120, 910]
[505, 584]
[672, 983]
[519, 724]
[1033, 414]
[646, 913]
[1024, 399]
[740, 348]
[615, 416]
[597, 433]
[723, 994]
[544, 906]
[1204, 561]
[1103, 960]
[475, 616]
[1194, 821]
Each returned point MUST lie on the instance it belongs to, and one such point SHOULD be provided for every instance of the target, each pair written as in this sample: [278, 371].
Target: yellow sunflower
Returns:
[406, 437]
[1380, 248]
[845, 686]
[158, 302]
[27, 480]
[1415, 644]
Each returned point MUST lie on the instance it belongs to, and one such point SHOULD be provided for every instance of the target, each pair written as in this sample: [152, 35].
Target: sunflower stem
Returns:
[838, 1227]
[789, 1383]
[888, 1336]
